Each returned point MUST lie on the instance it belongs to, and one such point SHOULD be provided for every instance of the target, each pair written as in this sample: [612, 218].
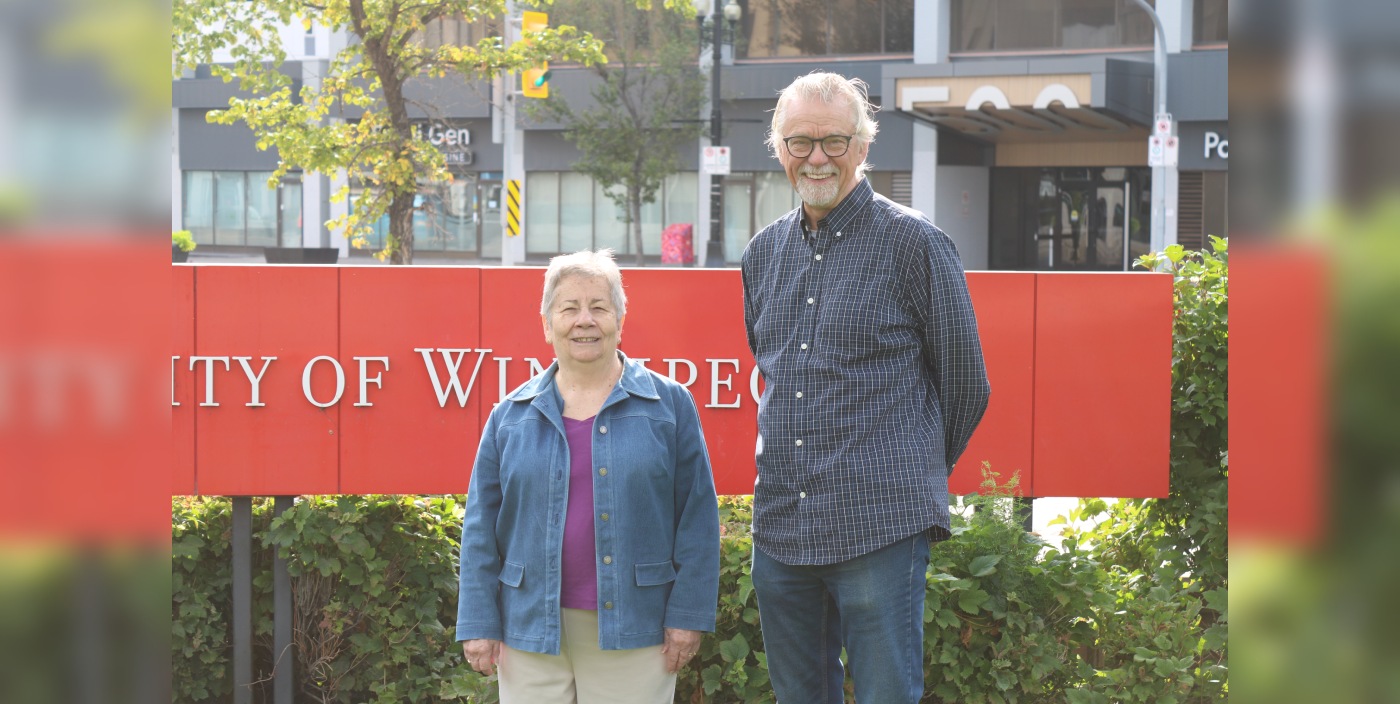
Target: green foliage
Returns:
[183, 239]
[646, 104]
[367, 78]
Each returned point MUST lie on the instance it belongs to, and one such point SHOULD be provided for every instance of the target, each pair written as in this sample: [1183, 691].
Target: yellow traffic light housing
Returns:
[534, 82]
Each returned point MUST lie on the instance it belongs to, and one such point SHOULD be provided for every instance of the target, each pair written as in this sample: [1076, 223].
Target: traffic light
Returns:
[534, 82]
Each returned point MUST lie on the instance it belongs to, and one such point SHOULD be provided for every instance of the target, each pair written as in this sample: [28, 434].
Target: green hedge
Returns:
[1130, 610]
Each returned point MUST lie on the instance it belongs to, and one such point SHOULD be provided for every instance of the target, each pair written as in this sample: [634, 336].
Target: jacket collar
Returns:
[636, 380]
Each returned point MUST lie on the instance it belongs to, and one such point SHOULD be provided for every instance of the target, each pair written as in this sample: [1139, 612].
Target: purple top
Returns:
[579, 582]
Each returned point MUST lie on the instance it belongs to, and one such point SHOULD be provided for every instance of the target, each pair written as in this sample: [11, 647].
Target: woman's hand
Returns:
[483, 654]
[680, 646]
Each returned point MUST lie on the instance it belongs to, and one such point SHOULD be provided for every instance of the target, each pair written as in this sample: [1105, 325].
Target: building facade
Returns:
[1019, 126]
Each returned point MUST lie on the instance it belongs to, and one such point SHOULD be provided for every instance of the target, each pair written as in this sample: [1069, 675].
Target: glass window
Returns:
[856, 26]
[1212, 21]
[974, 24]
[899, 26]
[459, 214]
[680, 196]
[575, 212]
[610, 228]
[229, 207]
[290, 225]
[1088, 24]
[262, 210]
[773, 197]
[738, 220]
[651, 226]
[198, 216]
[542, 213]
[1024, 24]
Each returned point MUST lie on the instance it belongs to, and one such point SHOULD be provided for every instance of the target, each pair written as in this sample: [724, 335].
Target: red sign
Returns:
[290, 380]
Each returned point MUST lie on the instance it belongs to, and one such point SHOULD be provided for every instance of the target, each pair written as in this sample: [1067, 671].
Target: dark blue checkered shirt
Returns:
[866, 338]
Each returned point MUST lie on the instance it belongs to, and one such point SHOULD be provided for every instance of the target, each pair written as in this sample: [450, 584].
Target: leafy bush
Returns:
[183, 239]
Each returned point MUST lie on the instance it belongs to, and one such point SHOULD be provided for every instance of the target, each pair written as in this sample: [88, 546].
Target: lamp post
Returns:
[730, 12]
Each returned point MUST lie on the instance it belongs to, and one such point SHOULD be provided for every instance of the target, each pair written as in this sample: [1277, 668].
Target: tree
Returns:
[646, 106]
[356, 121]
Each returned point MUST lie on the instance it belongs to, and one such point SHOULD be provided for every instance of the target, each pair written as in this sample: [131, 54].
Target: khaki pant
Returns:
[582, 673]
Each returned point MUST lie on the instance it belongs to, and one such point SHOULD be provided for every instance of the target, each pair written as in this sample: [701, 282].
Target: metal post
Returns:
[714, 250]
[284, 666]
[1164, 178]
[242, 600]
[512, 152]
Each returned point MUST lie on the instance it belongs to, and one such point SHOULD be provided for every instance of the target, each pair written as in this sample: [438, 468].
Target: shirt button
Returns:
[799, 443]
[838, 234]
[810, 301]
[605, 516]
[603, 430]
[603, 472]
[799, 394]
[801, 494]
[607, 605]
[819, 257]
[804, 345]
[607, 559]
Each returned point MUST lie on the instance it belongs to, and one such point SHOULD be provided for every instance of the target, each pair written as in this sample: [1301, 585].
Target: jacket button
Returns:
[607, 605]
[605, 516]
[603, 429]
[603, 472]
[607, 559]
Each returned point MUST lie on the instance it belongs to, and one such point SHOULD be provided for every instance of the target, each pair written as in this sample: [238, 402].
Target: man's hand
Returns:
[483, 654]
[680, 646]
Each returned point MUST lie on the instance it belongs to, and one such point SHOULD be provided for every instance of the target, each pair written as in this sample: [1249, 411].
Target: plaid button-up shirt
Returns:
[867, 341]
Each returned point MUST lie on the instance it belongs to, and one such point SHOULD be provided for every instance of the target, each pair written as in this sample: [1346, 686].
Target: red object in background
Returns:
[678, 244]
[1277, 394]
[1080, 397]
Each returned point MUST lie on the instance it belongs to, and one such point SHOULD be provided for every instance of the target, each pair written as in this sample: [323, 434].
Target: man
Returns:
[858, 315]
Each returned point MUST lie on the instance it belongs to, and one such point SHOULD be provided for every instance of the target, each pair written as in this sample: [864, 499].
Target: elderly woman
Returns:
[590, 547]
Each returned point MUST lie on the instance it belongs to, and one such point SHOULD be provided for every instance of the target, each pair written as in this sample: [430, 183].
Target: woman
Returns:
[590, 547]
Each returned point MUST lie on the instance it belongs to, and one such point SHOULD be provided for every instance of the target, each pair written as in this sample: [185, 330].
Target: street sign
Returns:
[513, 207]
[1156, 151]
[715, 161]
[1162, 124]
[1172, 152]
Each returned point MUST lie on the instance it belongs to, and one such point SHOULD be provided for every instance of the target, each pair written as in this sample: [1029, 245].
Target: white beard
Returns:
[819, 194]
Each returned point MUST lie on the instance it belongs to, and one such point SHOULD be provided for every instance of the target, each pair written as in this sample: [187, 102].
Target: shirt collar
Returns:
[635, 381]
[845, 212]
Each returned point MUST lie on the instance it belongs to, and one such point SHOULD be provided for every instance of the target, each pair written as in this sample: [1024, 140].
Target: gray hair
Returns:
[829, 88]
[588, 264]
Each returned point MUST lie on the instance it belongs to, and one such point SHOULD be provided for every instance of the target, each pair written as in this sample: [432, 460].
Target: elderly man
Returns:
[858, 315]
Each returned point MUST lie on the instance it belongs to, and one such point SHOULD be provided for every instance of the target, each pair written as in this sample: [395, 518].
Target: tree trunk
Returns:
[634, 199]
[401, 229]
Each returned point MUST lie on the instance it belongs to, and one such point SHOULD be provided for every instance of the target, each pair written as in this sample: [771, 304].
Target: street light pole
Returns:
[730, 12]
[1164, 177]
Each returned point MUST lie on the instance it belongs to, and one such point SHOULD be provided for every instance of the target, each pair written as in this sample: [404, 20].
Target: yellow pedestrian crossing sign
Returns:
[513, 207]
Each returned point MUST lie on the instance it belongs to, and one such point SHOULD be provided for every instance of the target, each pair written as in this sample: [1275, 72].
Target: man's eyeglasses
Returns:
[833, 146]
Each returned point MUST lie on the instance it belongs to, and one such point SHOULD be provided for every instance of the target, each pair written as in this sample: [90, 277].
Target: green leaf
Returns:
[984, 565]
[735, 649]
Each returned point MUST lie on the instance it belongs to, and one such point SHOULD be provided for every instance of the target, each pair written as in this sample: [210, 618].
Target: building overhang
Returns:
[1067, 99]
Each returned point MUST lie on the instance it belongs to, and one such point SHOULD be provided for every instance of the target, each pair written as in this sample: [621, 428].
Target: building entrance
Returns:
[1069, 219]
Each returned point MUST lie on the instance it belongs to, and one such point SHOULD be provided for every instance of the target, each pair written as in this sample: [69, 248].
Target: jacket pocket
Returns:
[512, 574]
[654, 573]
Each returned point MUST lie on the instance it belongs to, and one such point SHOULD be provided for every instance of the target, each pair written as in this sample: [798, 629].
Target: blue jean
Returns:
[873, 605]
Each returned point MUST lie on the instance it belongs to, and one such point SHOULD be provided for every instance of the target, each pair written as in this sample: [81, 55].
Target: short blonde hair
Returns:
[586, 263]
[830, 88]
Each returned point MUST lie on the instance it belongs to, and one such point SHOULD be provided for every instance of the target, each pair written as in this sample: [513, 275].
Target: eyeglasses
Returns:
[833, 145]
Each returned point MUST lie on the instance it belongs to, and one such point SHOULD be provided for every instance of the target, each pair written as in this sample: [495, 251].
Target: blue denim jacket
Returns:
[656, 519]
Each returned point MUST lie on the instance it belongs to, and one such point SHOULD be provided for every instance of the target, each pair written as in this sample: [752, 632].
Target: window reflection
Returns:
[1020, 25]
[779, 28]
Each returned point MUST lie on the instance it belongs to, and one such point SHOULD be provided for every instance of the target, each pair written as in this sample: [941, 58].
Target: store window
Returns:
[779, 28]
[233, 208]
[567, 212]
[1212, 21]
[1028, 25]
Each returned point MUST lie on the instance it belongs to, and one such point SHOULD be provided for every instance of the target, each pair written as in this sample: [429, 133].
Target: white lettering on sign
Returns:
[208, 375]
[254, 381]
[727, 382]
[365, 380]
[339, 381]
[671, 371]
[1213, 143]
[439, 136]
[444, 366]
[452, 364]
